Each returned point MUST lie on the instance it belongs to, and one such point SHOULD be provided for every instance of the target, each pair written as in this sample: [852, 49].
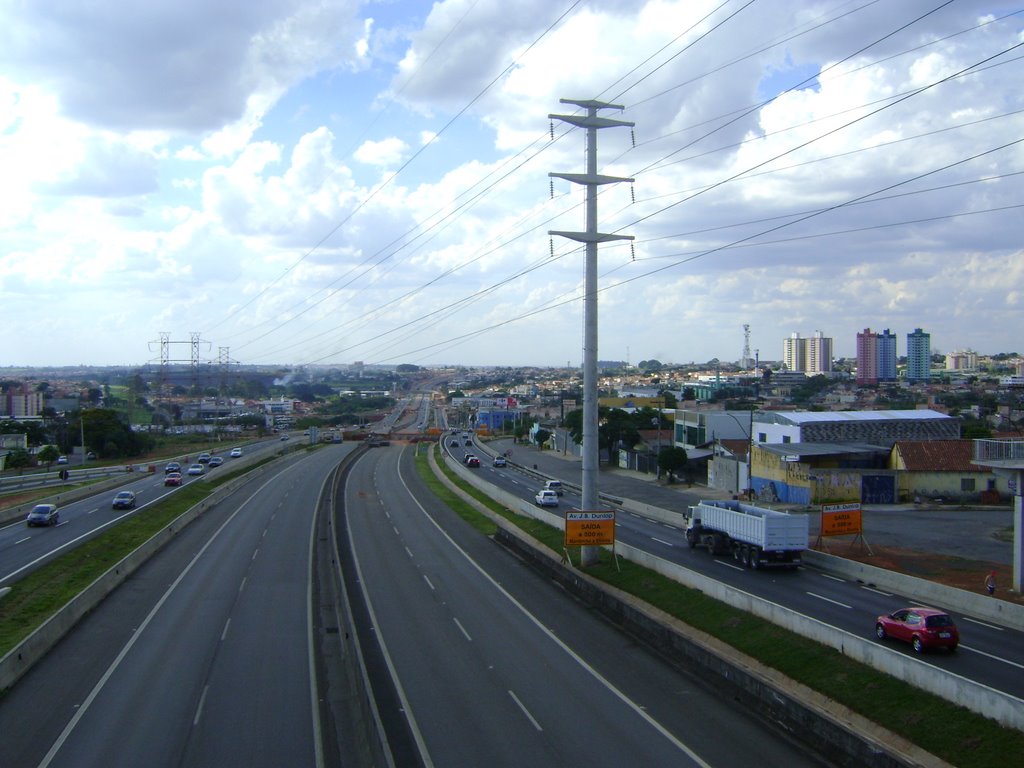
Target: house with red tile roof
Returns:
[929, 469]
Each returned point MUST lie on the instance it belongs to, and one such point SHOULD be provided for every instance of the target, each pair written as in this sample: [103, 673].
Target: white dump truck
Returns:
[755, 536]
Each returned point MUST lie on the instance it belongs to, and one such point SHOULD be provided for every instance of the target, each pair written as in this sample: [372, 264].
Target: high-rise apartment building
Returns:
[876, 356]
[811, 356]
[962, 361]
[919, 356]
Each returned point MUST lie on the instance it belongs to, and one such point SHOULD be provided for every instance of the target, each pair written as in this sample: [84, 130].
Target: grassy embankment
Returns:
[952, 733]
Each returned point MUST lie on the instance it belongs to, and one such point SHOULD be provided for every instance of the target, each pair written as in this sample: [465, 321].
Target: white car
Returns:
[547, 499]
[499, 461]
[235, 453]
[197, 469]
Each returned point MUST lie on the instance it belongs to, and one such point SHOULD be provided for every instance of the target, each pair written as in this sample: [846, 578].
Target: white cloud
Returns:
[387, 152]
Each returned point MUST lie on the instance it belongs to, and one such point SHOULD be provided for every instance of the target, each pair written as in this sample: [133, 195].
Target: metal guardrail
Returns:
[998, 450]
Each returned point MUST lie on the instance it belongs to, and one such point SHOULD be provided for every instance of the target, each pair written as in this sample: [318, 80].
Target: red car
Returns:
[924, 628]
[172, 478]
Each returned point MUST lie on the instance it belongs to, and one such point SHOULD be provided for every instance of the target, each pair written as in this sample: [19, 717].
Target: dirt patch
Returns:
[958, 572]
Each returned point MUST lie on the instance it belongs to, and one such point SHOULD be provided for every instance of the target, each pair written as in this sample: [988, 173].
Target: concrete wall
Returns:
[1005, 709]
[21, 658]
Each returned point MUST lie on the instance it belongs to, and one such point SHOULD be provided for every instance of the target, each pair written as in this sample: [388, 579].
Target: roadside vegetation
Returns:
[952, 733]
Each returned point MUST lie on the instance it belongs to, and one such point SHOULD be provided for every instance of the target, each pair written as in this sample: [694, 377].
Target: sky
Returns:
[311, 183]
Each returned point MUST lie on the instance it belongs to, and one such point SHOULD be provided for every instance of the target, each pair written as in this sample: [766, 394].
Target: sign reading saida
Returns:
[840, 519]
[585, 529]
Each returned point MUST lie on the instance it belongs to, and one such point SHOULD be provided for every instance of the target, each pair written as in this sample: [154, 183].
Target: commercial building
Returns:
[808, 355]
[919, 356]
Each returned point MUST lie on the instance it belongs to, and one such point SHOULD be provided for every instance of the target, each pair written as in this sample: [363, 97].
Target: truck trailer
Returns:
[754, 536]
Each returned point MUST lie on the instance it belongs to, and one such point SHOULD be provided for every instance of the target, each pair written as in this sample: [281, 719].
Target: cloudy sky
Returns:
[301, 182]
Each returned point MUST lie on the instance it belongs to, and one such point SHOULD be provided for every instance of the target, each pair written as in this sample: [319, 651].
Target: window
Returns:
[785, 439]
[966, 483]
[762, 437]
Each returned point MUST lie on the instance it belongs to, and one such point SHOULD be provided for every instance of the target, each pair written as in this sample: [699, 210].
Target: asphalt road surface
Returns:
[497, 667]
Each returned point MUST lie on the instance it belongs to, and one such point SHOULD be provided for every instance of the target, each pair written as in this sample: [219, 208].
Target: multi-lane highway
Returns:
[23, 549]
[202, 658]
[495, 666]
[989, 654]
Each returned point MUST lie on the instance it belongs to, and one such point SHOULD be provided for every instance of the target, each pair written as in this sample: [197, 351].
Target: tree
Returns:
[671, 460]
[669, 398]
[47, 455]
[541, 437]
[18, 459]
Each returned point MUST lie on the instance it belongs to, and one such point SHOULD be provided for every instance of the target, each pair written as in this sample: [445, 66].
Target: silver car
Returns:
[43, 514]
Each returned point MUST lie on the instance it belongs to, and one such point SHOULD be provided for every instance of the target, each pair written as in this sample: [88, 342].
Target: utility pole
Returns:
[591, 237]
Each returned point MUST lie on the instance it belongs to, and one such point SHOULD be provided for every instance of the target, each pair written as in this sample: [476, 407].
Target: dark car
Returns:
[469, 442]
[43, 514]
[923, 628]
[216, 461]
[204, 458]
[172, 466]
[173, 478]
[123, 500]
[472, 461]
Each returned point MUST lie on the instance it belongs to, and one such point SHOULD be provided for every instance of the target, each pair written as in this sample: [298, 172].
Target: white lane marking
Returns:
[834, 578]
[729, 565]
[662, 541]
[224, 634]
[983, 624]
[199, 709]
[408, 552]
[255, 552]
[428, 583]
[829, 600]
[242, 585]
[526, 712]
[878, 591]
[27, 538]
[462, 629]
[607, 684]
[991, 656]
[81, 710]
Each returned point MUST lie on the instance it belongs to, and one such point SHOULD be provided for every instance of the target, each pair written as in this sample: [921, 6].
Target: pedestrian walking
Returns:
[990, 583]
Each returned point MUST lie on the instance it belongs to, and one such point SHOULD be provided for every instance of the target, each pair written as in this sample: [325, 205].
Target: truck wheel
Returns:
[691, 539]
[755, 558]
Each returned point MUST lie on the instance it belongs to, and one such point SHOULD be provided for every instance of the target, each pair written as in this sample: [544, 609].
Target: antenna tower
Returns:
[745, 362]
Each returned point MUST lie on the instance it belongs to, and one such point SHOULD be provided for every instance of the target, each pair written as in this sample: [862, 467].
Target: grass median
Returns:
[952, 733]
[39, 595]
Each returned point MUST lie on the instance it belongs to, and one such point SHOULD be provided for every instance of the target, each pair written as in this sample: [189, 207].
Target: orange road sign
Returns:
[584, 529]
[840, 519]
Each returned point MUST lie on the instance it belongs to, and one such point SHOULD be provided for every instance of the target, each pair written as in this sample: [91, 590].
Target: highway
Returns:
[496, 667]
[202, 658]
[989, 654]
[23, 549]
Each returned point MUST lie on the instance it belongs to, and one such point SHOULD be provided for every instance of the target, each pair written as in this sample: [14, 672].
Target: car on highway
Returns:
[216, 461]
[499, 461]
[123, 500]
[554, 486]
[62, 459]
[173, 478]
[285, 437]
[204, 458]
[43, 514]
[924, 628]
[454, 444]
[235, 453]
[172, 466]
[546, 499]
[197, 469]
[469, 442]
[472, 461]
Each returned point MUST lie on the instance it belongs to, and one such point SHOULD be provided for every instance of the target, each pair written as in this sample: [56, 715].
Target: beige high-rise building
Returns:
[808, 355]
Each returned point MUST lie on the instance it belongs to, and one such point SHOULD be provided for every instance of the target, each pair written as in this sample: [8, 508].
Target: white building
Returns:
[812, 355]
